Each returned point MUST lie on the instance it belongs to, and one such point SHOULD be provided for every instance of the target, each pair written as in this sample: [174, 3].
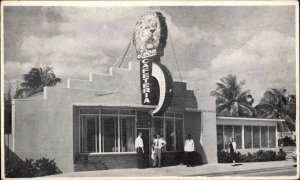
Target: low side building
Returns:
[250, 134]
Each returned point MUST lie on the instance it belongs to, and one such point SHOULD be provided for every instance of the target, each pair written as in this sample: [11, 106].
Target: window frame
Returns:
[173, 118]
[243, 126]
[99, 143]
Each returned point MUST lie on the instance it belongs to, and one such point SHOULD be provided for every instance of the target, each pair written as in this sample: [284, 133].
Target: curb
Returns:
[228, 173]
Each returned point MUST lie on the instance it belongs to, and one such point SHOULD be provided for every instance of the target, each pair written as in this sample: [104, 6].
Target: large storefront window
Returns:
[88, 134]
[227, 135]
[225, 132]
[170, 135]
[264, 136]
[254, 136]
[170, 128]
[220, 142]
[272, 137]
[107, 130]
[238, 136]
[127, 134]
[179, 134]
[248, 136]
[109, 134]
[158, 124]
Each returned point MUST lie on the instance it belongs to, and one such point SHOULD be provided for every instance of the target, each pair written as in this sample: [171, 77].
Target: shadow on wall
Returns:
[183, 98]
[15, 167]
[203, 155]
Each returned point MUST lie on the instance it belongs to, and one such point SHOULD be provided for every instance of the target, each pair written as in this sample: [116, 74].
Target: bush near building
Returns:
[30, 168]
[259, 156]
[286, 141]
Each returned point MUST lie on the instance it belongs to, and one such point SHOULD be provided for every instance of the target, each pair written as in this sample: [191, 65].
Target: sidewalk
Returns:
[183, 171]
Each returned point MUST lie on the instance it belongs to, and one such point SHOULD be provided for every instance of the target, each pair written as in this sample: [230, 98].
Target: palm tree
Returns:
[278, 104]
[231, 100]
[35, 81]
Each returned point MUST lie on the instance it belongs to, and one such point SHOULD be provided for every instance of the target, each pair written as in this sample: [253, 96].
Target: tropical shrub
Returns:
[45, 166]
[281, 155]
[287, 141]
[19, 168]
[29, 168]
[259, 156]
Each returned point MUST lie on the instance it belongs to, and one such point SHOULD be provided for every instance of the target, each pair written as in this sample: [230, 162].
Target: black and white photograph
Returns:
[150, 89]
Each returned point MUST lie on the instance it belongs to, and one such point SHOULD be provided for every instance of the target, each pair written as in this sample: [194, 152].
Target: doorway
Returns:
[147, 145]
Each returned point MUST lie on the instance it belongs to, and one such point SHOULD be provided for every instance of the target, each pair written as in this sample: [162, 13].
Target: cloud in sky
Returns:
[265, 61]
[210, 42]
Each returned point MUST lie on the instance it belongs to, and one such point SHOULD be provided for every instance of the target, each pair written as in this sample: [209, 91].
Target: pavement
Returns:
[271, 168]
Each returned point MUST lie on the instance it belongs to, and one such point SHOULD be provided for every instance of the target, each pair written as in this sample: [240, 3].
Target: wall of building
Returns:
[209, 136]
[105, 161]
[43, 126]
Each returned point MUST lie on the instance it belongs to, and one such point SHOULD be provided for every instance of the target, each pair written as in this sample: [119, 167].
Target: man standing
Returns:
[189, 149]
[139, 146]
[158, 143]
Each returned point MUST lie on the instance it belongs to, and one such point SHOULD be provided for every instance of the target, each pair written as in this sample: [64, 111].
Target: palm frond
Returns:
[265, 110]
[242, 97]
[246, 110]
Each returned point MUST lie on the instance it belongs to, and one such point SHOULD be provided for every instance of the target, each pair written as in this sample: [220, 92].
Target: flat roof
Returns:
[247, 119]
[114, 105]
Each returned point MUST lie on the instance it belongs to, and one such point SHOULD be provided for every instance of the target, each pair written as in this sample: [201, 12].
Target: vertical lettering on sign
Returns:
[146, 75]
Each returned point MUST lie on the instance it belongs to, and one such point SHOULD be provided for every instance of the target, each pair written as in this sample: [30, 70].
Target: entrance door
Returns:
[146, 140]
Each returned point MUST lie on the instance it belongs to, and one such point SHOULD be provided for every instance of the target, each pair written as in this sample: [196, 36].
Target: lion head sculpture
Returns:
[150, 33]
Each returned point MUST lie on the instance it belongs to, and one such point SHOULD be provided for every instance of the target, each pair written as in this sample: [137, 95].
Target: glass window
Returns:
[178, 115]
[247, 137]
[158, 124]
[227, 135]
[127, 134]
[272, 137]
[89, 111]
[220, 144]
[256, 137]
[109, 134]
[238, 136]
[127, 112]
[264, 136]
[109, 111]
[179, 134]
[170, 135]
[88, 134]
[169, 114]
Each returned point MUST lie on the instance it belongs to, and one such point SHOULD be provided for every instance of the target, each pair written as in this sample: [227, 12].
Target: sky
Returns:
[255, 43]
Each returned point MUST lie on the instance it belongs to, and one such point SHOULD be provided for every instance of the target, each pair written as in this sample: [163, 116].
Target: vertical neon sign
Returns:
[150, 37]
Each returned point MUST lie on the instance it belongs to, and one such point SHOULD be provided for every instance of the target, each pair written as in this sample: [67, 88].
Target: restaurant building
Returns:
[99, 119]
[92, 124]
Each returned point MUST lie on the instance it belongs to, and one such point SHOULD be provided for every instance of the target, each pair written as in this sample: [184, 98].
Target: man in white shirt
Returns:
[139, 146]
[158, 143]
[189, 149]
